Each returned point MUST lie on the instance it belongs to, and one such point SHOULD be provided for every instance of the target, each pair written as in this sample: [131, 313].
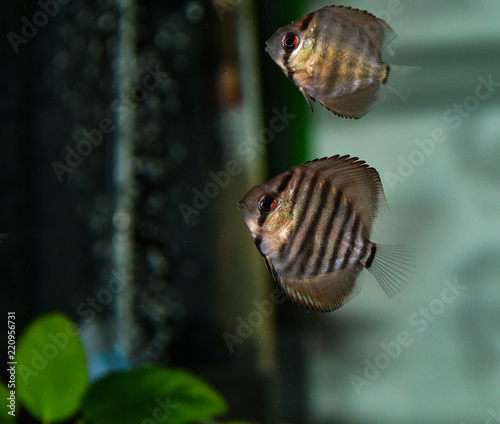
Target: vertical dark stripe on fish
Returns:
[258, 241]
[299, 175]
[338, 241]
[283, 186]
[372, 255]
[317, 219]
[388, 70]
[306, 20]
[261, 219]
[284, 183]
[286, 58]
[327, 234]
[304, 208]
[351, 246]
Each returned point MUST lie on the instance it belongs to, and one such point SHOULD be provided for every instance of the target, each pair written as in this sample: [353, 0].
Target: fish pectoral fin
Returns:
[353, 105]
[324, 292]
[307, 97]
[271, 269]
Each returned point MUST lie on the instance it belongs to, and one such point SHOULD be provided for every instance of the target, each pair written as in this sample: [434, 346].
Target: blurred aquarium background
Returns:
[131, 128]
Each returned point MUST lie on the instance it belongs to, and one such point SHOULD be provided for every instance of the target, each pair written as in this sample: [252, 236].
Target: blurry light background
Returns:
[197, 274]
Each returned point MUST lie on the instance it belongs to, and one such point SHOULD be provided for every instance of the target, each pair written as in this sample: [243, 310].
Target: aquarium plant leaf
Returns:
[51, 368]
[151, 394]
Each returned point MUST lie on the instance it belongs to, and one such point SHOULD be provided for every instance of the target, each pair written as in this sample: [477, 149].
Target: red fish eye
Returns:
[267, 203]
[290, 41]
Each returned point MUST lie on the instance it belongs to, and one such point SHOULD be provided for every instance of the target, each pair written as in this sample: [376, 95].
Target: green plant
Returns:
[52, 385]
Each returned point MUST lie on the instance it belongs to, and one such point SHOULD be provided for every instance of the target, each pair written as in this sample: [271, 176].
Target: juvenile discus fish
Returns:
[312, 224]
[333, 55]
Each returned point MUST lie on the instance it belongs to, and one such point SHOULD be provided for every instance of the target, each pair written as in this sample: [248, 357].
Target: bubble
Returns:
[62, 60]
[107, 22]
[121, 221]
[157, 261]
[163, 39]
[194, 12]
[156, 201]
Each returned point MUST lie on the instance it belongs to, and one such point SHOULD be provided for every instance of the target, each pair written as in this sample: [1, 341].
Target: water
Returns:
[134, 129]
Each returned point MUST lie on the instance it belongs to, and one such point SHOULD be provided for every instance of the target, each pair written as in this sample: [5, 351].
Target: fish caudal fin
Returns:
[400, 79]
[393, 267]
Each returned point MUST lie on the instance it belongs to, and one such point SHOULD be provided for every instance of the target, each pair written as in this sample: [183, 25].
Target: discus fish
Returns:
[333, 55]
[312, 224]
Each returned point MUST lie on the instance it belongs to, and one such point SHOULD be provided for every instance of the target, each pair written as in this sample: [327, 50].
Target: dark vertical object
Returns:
[17, 164]
[286, 151]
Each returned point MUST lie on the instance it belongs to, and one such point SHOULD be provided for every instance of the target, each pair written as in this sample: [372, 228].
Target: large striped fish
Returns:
[333, 55]
[312, 224]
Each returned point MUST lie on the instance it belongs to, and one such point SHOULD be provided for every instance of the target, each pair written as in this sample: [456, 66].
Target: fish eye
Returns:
[267, 203]
[290, 41]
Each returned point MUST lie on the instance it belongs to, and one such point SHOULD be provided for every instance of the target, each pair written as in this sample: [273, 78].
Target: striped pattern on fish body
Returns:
[333, 55]
[312, 224]
[343, 59]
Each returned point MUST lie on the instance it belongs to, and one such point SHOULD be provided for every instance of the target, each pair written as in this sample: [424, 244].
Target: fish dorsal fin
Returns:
[324, 292]
[358, 182]
[379, 32]
[354, 105]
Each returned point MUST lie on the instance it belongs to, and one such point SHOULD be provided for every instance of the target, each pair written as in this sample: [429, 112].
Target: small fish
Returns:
[312, 224]
[333, 55]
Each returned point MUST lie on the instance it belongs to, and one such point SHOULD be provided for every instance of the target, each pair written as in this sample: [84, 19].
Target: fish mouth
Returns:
[241, 206]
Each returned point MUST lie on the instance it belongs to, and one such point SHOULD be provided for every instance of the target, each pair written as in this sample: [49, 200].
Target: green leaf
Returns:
[51, 368]
[151, 395]
[5, 417]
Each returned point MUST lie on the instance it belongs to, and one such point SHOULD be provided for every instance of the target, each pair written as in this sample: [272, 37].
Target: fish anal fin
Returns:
[379, 32]
[324, 292]
[359, 184]
[353, 105]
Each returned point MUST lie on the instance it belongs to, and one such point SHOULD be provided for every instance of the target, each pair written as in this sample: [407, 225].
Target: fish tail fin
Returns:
[400, 79]
[393, 266]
